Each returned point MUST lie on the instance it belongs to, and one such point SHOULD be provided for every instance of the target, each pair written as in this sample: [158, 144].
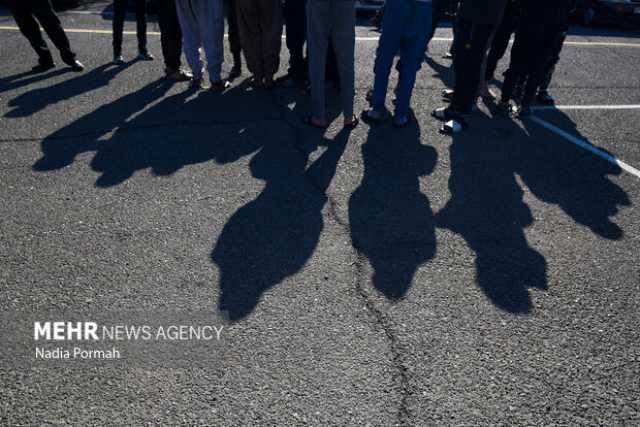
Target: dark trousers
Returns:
[234, 34]
[470, 46]
[296, 24]
[552, 61]
[119, 14]
[501, 39]
[170, 34]
[531, 50]
[25, 12]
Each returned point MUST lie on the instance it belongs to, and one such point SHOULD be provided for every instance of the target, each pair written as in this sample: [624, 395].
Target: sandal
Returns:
[352, 124]
[310, 121]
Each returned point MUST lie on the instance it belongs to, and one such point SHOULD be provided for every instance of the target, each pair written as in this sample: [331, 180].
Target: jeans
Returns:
[406, 28]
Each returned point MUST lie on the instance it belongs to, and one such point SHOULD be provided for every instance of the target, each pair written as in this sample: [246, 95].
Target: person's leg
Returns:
[437, 15]
[141, 25]
[550, 65]
[500, 42]
[234, 37]
[344, 36]
[332, 74]
[412, 54]
[191, 38]
[318, 41]
[517, 66]
[469, 55]
[271, 24]
[247, 11]
[119, 14]
[43, 11]
[295, 20]
[31, 30]
[388, 45]
[211, 22]
[170, 35]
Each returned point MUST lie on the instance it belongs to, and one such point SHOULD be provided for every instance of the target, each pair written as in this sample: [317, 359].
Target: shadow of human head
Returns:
[391, 219]
[38, 99]
[60, 148]
[26, 78]
[186, 128]
[273, 236]
[487, 209]
[579, 182]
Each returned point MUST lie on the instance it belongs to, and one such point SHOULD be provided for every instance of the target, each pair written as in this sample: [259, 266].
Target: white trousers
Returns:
[202, 24]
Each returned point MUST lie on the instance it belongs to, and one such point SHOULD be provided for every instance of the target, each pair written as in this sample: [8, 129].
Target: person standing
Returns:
[234, 39]
[536, 38]
[296, 24]
[27, 14]
[119, 14]
[406, 29]
[335, 20]
[476, 22]
[171, 41]
[260, 27]
[501, 38]
[558, 42]
[202, 24]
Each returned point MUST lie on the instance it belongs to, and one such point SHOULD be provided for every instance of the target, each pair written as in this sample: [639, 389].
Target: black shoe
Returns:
[75, 65]
[118, 59]
[372, 118]
[219, 86]
[503, 109]
[41, 68]
[144, 55]
[447, 95]
[525, 111]
[177, 75]
[454, 126]
[236, 71]
[545, 98]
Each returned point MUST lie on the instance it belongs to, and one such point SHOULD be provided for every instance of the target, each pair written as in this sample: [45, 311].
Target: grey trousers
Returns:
[333, 19]
[202, 23]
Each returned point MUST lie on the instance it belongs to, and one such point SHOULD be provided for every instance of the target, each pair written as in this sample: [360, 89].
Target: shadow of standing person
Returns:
[37, 100]
[61, 147]
[391, 220]
[272, 237]
[487, 209]
[577, 181]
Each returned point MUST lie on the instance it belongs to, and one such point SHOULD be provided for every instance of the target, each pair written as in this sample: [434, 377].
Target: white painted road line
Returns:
[586, 107]
[360, 38]
[585, 145]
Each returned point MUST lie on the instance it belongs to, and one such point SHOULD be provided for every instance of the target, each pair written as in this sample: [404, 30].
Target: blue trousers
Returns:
[406, 28]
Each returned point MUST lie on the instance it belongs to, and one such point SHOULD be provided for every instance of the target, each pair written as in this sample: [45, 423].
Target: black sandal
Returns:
[354, 123]
[309, 122]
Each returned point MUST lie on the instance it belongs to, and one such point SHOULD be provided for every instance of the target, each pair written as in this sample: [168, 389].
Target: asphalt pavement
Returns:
[377, 277]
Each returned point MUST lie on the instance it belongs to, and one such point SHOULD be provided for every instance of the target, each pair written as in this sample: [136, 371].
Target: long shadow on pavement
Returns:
[36, 100]
[82, 135]
[487, 207]
[391, 220]
[272, 237]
